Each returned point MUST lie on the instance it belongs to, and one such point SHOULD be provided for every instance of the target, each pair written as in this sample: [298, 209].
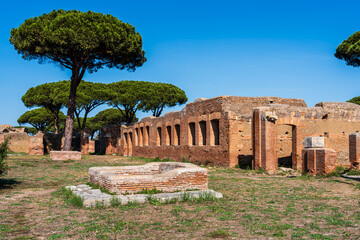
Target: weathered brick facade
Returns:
[333, 121]
[165, 176]
[21, 142]
[227, 131]
[215, 131]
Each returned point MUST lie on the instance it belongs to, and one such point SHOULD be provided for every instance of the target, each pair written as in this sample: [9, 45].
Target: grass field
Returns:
[255, 206]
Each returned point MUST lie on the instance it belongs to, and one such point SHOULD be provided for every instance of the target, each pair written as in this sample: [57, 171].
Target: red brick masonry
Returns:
[318, 160]
[65, 155]
[354, 150]
[165, 176]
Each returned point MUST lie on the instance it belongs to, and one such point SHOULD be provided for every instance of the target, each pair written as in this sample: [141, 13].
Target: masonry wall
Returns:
[334, 121]
[21, 142]
[213, 131]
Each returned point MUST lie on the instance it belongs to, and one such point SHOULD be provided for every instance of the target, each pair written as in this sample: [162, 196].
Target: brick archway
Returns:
[265, 140]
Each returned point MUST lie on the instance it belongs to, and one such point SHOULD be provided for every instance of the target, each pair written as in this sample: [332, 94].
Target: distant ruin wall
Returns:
[333, 121]
[213, 131]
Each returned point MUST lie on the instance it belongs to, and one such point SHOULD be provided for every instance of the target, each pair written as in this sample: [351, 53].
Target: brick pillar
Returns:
[317, 159]
[354, 150]
[36, 144]
[264, 142]
[256, 131]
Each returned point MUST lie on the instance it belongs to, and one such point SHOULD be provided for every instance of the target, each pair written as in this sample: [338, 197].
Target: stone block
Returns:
[65, 155]
[318, 160]
[92, 197]
[314, 142]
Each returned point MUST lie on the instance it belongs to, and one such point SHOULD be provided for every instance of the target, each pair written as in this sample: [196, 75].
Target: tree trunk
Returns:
[56, 123]
[84, 121]
[69, 125]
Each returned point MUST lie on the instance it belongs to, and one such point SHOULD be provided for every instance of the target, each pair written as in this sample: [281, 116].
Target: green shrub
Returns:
[3, 155]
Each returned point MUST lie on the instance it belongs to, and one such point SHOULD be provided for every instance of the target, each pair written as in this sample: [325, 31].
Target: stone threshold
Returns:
[92, 197]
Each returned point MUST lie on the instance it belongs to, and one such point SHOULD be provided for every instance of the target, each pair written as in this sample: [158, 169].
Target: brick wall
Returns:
[333, 121]
[213, 131]
[167, 177]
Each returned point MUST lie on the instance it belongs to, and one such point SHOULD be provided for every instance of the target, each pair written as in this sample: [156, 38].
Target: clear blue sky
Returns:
[207, 48]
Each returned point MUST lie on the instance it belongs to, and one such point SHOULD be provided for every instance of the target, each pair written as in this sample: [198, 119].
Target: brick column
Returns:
[354, 150]
[256, 131]
[264, 142]
[316, 158]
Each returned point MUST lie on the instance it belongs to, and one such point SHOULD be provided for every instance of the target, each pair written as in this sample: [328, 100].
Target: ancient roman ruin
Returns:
[260, 132]
[257, 132]
[164, 176]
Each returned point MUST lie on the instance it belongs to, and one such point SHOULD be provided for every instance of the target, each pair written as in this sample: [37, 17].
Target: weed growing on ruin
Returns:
[103, 190]
[154, 201]
[149, 191]
[115, 202]
[157, 159]
[71, 198]
[205, 197]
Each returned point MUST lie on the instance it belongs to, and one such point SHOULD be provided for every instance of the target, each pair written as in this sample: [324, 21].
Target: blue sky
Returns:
[207, 48]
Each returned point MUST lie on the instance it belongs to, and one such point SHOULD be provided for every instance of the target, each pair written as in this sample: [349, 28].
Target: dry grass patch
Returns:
[254, 206]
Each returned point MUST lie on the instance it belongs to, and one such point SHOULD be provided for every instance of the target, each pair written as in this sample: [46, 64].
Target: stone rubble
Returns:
[91, 197]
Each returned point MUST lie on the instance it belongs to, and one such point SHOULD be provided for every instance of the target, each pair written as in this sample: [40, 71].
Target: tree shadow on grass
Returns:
[8, 183]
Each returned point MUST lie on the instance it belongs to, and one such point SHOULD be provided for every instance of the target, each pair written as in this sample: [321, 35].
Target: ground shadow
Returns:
[8, 183]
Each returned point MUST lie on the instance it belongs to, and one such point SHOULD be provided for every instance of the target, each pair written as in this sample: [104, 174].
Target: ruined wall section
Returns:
[213, 131]
[334, 121]
[197, 134]
[241, 113]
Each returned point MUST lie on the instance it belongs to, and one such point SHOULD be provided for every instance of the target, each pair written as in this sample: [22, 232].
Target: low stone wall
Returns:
[94, 197]
[65, 155]
[165, 176]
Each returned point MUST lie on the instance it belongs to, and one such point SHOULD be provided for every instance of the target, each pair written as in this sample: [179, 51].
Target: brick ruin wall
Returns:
[333, 121]
[215, 131]
[167, 177]
[39, 144]
[20, 141]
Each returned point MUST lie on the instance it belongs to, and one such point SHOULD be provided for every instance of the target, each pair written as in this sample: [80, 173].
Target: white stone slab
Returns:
[314, 142]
